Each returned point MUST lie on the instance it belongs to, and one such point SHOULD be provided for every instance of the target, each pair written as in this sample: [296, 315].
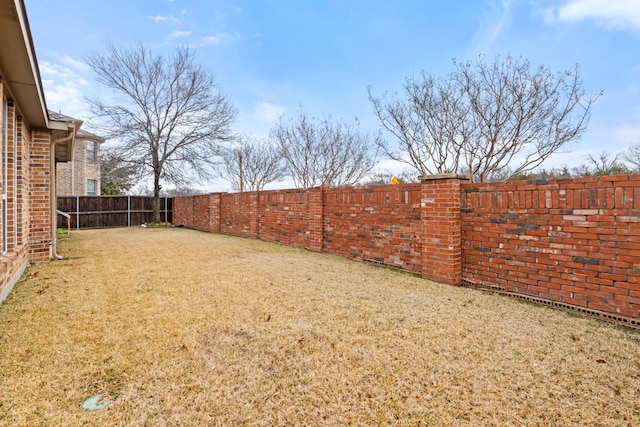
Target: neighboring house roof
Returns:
[63, 118]
[83, 134]
[63, 151]
[80, 134]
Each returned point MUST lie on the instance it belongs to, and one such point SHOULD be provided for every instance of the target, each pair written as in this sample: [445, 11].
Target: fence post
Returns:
[441, 228]
[128, 211]
[165, 210]
[77, 212]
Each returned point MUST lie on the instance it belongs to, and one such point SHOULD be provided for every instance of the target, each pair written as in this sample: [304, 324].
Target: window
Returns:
[91, 187]
[91, 150]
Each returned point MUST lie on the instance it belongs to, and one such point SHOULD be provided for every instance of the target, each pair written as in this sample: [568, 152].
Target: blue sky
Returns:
[273, 56]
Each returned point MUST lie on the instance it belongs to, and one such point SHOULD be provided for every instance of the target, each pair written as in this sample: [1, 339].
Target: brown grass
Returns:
[187, 328]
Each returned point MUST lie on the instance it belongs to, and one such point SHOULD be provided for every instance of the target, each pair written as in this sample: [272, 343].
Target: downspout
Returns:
[54, 199]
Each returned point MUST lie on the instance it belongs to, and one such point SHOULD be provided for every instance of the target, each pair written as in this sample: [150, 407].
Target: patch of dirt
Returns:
[187, 328]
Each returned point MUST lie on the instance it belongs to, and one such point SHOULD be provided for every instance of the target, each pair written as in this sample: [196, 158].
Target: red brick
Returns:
[441, 241]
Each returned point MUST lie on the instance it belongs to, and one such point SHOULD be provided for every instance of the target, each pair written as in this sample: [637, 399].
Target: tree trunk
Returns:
[240, 167]
[156, 199]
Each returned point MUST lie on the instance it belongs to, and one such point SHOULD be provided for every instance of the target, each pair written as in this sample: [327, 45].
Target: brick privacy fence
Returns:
[572, 243]
[569, 241]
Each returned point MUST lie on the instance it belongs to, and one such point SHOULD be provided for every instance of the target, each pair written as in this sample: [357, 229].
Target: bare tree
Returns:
[581, 171]
[168, 114]
[251, 164]
[484, 117]
[632, 155]
[322, 152]
[606, 164]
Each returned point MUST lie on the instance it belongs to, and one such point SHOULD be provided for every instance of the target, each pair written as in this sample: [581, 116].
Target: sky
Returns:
[275, 57]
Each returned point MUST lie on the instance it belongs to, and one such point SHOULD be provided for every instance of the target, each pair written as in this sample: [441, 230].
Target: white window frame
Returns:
[94, 154]
[95, 185]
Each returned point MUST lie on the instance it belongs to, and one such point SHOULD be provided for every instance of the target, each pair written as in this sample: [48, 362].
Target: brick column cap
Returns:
[425, 178]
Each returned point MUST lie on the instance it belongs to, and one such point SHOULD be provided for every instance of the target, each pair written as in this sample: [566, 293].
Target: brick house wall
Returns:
[12, 185]
[39, 203]
[25, 181]
[72, 177]
[30, 141]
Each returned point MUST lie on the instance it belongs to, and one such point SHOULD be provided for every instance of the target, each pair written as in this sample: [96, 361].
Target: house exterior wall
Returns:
[72, 177]
[27, 134]
[24, 210]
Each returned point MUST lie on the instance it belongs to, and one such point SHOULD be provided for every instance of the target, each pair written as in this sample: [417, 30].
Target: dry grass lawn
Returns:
[183, 328]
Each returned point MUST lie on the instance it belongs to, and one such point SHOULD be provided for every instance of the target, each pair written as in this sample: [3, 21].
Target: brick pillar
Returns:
[40, 233]
[215, 204]
[441, 234]
[316, 219]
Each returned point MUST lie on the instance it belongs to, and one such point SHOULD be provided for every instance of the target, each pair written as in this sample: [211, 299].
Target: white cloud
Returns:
[179, 34]
[74, 64]
[267, 113]
[67, 72]
[492, 24]
[615, 14]
[600, 137]
[65, 87]
[218, 39]
[158, 18]
[259, 119]
[628, 134]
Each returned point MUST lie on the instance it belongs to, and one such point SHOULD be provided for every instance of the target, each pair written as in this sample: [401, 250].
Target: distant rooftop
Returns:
[59, 117]
[88, 135]
[62, 118]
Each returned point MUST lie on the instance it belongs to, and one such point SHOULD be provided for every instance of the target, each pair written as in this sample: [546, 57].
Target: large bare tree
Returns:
[250, 164]
[324, 152]
[484, 117]
[167, 113]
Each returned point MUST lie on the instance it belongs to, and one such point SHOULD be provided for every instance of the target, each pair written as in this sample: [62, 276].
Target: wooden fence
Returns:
[110, 211]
